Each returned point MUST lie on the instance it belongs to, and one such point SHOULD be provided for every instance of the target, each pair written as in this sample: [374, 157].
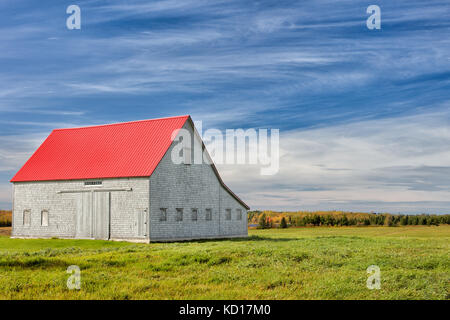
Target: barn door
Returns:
[93, 214]
[142, 223]
[101, 216]
[84, 215]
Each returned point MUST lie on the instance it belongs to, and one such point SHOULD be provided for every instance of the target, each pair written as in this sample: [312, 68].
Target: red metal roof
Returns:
[129, 149]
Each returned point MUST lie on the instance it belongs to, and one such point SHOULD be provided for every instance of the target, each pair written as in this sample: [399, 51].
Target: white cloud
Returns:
[16, 149]
[5, 194]
[388, 164]
[397, 164]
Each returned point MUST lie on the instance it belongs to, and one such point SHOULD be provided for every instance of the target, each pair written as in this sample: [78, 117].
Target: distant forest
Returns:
[274, 219]
[5, 218]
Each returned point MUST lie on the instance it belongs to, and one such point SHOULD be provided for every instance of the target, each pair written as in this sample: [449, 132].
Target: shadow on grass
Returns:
[36, 262]
[262, 238]
[244, 239]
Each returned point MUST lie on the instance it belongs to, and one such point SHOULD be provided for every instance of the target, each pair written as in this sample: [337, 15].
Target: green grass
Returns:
[303, 263]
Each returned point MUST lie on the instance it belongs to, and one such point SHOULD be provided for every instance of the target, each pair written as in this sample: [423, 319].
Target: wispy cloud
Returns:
[16, 149]
[372, 164]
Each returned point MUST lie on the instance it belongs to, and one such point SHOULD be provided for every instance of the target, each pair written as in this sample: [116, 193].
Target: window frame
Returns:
[194, 214]
[179, 216]
[228, 214]
[208, 214]
[186, 150]
[42, 217]
[162, 214]
[187, 155]
[238, 214]
[26, 212]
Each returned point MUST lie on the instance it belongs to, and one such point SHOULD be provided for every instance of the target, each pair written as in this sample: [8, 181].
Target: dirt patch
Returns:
[5, 231]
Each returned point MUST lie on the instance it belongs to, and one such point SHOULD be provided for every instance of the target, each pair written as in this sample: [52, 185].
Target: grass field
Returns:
[294, 263]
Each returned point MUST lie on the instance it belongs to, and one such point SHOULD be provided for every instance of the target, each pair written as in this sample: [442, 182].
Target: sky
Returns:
[363, 114]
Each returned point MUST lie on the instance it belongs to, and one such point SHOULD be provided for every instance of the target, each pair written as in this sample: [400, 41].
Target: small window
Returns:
[187, 155]
[163, 214]
[44, 218]
[239, 214]
[179, 214]
[208, 214]
[228, 214]
[93, 183]
[26, 217]
[194, 214]
[185, 152]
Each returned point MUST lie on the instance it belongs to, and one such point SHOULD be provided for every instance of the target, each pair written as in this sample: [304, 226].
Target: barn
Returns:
[119, 182]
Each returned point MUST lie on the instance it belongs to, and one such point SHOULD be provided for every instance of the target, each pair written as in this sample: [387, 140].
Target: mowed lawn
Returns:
[295, 263]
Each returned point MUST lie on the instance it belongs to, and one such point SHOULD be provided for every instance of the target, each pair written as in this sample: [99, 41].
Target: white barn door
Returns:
[102, 211]
[142, 223]
[93, 215]
[84, 215]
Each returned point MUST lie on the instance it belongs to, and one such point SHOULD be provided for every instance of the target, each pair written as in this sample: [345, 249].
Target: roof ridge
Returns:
[121, 123]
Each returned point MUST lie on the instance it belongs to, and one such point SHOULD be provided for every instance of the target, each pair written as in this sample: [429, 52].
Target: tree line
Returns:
[5, 218]
[266, 222]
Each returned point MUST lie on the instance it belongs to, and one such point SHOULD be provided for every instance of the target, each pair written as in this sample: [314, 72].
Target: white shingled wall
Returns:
[190, 187]
[62, 207]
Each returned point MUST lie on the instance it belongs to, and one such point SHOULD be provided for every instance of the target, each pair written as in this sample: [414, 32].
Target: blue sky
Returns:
[363, 114]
